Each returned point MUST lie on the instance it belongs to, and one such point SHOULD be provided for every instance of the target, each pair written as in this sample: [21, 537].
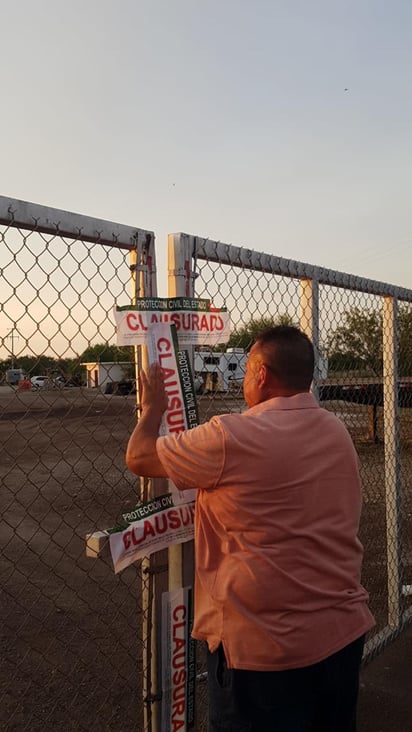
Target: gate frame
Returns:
[189, 248]
[140, 243]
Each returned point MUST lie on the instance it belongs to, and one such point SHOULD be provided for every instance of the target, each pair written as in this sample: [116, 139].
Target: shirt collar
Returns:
[304, 400]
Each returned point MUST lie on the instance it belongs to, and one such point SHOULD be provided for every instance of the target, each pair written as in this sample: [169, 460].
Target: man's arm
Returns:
[141, 454]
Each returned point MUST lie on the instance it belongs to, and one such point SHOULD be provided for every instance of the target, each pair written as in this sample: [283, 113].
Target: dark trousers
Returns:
[318, 698]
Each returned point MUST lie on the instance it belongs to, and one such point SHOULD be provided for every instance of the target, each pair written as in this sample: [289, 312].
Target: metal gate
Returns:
[78, 644]
[74, 652]
[363, 329]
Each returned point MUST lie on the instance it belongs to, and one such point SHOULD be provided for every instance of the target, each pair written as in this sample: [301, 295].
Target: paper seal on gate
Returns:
[182, 412]
[169, 519]
[162, 527]
[195, 320]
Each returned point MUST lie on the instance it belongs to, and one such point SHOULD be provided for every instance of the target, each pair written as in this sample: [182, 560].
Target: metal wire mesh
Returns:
[71, 631]
[351, 336]
[72, 645]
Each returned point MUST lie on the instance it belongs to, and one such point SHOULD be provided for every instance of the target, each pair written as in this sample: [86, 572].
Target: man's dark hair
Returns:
[288, 354]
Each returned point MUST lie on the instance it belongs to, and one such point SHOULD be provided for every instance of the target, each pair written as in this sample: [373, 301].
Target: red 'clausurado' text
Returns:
[174, 415]
[179, 667]
[183, 321]
[171, 520]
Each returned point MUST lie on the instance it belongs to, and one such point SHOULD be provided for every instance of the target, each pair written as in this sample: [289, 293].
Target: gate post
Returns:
[392, 458]
[143, 280]
[180, 284]
[309, 322]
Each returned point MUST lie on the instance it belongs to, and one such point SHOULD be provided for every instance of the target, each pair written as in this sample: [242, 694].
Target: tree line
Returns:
[70, 368]
[356, 344]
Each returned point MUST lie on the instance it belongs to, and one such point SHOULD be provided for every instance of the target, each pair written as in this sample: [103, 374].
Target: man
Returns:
[277, 592]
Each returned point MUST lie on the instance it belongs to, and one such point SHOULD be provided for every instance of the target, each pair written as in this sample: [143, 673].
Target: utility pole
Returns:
[12, 338]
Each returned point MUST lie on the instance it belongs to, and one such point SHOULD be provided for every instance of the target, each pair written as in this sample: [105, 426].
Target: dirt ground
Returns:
[70, 639]
[385, 702]
[70, 627]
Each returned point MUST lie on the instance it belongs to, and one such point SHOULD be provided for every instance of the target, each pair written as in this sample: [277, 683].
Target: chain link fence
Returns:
[363, 338]
[72, 645]
[76, 639]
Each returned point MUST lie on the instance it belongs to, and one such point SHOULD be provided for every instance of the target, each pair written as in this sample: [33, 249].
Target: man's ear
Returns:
[263, 377]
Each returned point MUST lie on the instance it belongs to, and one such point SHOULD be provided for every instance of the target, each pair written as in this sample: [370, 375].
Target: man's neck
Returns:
[274, 391]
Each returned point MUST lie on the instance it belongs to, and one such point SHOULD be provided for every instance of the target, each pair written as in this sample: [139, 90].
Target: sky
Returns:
[280, 125]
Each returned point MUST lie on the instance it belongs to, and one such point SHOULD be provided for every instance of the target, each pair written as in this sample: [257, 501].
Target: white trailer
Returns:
[216, 371]
[222, 372]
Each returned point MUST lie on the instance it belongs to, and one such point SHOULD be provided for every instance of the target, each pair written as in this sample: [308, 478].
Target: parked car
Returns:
[61, 382]
[67, 381]
[39, 381]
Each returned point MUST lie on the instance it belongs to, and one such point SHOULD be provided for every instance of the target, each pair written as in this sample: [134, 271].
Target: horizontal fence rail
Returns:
[45, 220]
[235, 256]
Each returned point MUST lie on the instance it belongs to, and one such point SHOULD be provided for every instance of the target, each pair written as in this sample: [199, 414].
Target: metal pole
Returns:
[12, 337]
[144, 285]
[392, 460]
[309, 322]
[180, 283]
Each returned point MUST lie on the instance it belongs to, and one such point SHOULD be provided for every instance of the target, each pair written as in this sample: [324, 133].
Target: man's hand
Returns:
[141, 455]
[152, 390]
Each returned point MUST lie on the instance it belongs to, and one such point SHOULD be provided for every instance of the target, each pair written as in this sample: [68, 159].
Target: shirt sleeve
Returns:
[194, 458]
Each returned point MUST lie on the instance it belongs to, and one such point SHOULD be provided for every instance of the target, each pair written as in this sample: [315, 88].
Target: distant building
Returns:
[13, 376]
[100, 374]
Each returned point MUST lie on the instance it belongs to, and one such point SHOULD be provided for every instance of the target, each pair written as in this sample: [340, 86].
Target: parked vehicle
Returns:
[219, 372]
[13, 376]
[121, 388]
[40, 382]
[51, 382]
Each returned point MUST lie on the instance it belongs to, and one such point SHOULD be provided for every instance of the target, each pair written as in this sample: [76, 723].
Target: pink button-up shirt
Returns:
[278, 560]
